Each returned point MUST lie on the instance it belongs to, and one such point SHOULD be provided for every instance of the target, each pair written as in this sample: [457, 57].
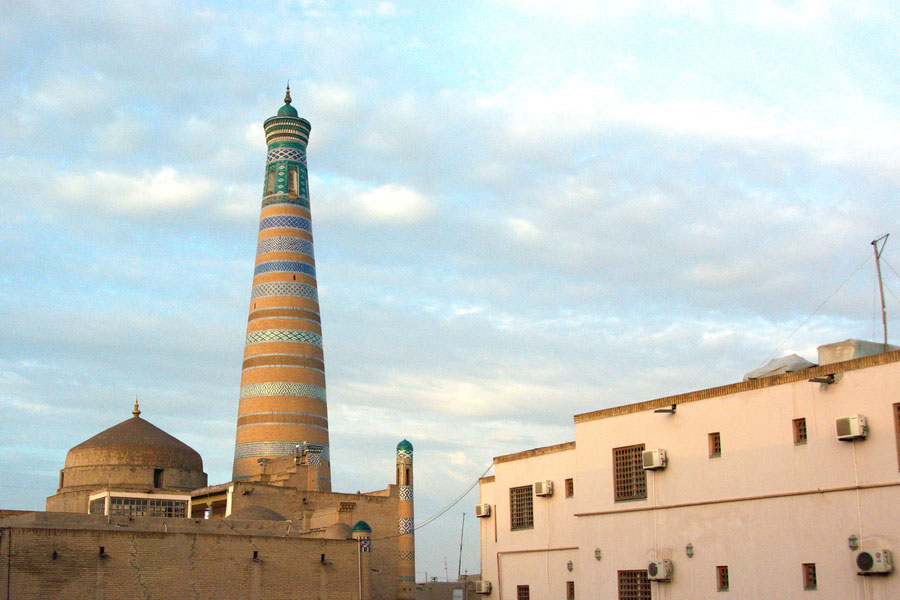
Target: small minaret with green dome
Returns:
[406, 542]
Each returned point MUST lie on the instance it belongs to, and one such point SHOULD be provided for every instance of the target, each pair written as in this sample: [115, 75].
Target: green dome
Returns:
[287, 111]
[404, 445]
[362, 526]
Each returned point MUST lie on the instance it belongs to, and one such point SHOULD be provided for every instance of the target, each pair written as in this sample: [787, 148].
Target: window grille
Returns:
[722, 578]
[630, 477]
[570, 590]
[570, 487]
[634, 585]
[521, 514]
[809, 576]
[799, 431]
[523, 592]
[715, 445]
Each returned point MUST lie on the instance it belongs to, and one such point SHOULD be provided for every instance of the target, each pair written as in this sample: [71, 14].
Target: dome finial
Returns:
[137, 411]
[287, 93]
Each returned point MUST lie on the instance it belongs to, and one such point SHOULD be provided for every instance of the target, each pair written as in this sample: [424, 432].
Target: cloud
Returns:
[388, 204]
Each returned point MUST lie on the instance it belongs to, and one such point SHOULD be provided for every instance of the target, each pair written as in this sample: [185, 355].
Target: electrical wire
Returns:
[441, 512]
[818, 308]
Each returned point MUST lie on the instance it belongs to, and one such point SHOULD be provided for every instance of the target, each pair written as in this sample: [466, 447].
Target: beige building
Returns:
[783, 487]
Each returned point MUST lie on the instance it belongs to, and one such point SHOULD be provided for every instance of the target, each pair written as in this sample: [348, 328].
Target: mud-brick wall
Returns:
[160, 566]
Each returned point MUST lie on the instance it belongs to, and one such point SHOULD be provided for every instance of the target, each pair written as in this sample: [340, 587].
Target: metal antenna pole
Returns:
[883, 240]
[461, 530]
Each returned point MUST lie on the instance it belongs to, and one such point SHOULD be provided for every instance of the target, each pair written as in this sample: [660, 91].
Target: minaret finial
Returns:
[287, 93]
[137, 411]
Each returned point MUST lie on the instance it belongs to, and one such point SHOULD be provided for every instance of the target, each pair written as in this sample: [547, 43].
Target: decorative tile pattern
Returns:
[406, 555]
[404, 525]
[285, 199]
[285, 222]
[294, 154]
[285, 335]
[314, 459]
[365, 544]
[284, 412]
[287, 423]
[272, 449]
[284, 288]
[287, 266]
[283, 388]
[406, 492]
[285, 244]
[403, 453]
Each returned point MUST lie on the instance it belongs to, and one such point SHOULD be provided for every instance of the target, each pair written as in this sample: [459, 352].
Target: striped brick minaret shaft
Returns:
[282, 405]
[406, 540]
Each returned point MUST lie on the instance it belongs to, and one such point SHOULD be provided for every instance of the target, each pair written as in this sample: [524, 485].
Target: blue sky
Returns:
[522, 211]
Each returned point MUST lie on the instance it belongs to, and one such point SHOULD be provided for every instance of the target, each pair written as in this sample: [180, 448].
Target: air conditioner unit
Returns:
[873, 561]
[851, 428]
[482, 510]
[654, 459]
[660, 570]
[543, 488]
[482, 587]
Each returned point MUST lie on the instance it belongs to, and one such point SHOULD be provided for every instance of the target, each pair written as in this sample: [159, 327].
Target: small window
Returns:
[722, 578]
[62, 477]
[292, 181]
[799, 431]
[897, 430]
[715, 445]
[634, 585]
[157, 478]
[521, 514]
[570, 487]
[628, 469]
[570, 590]
[523, 592]
[270, 182]
[809, 576]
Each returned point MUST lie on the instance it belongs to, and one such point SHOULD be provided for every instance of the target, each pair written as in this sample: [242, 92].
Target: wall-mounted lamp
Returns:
[597, 554]
[827, 379]
[853, 542]
[570, 565]
[689, 550]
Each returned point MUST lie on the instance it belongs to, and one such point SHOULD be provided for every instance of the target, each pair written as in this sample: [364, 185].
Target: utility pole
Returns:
[461, 530]
[883, 240]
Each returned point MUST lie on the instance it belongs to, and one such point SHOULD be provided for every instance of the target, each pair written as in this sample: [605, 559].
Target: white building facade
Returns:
[756, 496]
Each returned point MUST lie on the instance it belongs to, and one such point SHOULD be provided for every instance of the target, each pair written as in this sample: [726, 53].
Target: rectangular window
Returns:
[634, 585]
[799, 431]
[722, 578]
[570, 487]
[897, 430]
[715, 445]
[521, 515]
[628, 469]
[809, 576]
[157, 478]
[270, 182]
[570, 590]
[292, 181]
[523, 592]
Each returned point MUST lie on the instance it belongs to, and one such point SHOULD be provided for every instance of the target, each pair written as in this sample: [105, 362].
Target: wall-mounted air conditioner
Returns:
[853, 427]
[482, 510]
[654, 459]
[482, 587]
[660, 570]
[869, 562]
[543, 488]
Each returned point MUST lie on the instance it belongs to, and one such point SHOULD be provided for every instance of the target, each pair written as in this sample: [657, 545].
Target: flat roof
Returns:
[742, 386]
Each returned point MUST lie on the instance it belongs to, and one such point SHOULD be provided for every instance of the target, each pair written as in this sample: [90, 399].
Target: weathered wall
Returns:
[184, 564]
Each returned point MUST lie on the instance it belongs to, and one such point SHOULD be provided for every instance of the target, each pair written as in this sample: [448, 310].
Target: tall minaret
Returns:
[406, 541]
[282, 407]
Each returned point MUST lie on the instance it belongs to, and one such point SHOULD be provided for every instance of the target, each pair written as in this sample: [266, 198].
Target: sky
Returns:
[522, 210]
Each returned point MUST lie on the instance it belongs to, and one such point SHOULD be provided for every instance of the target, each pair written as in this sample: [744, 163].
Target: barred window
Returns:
[570, 487]
[523, 592]
[799, 431]
[809, 576]
[722, 578]
[634, 585]
[715, 445]
[570, 590]
[521, 514]
[630, 477]
[144, 507]
[98, 506]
